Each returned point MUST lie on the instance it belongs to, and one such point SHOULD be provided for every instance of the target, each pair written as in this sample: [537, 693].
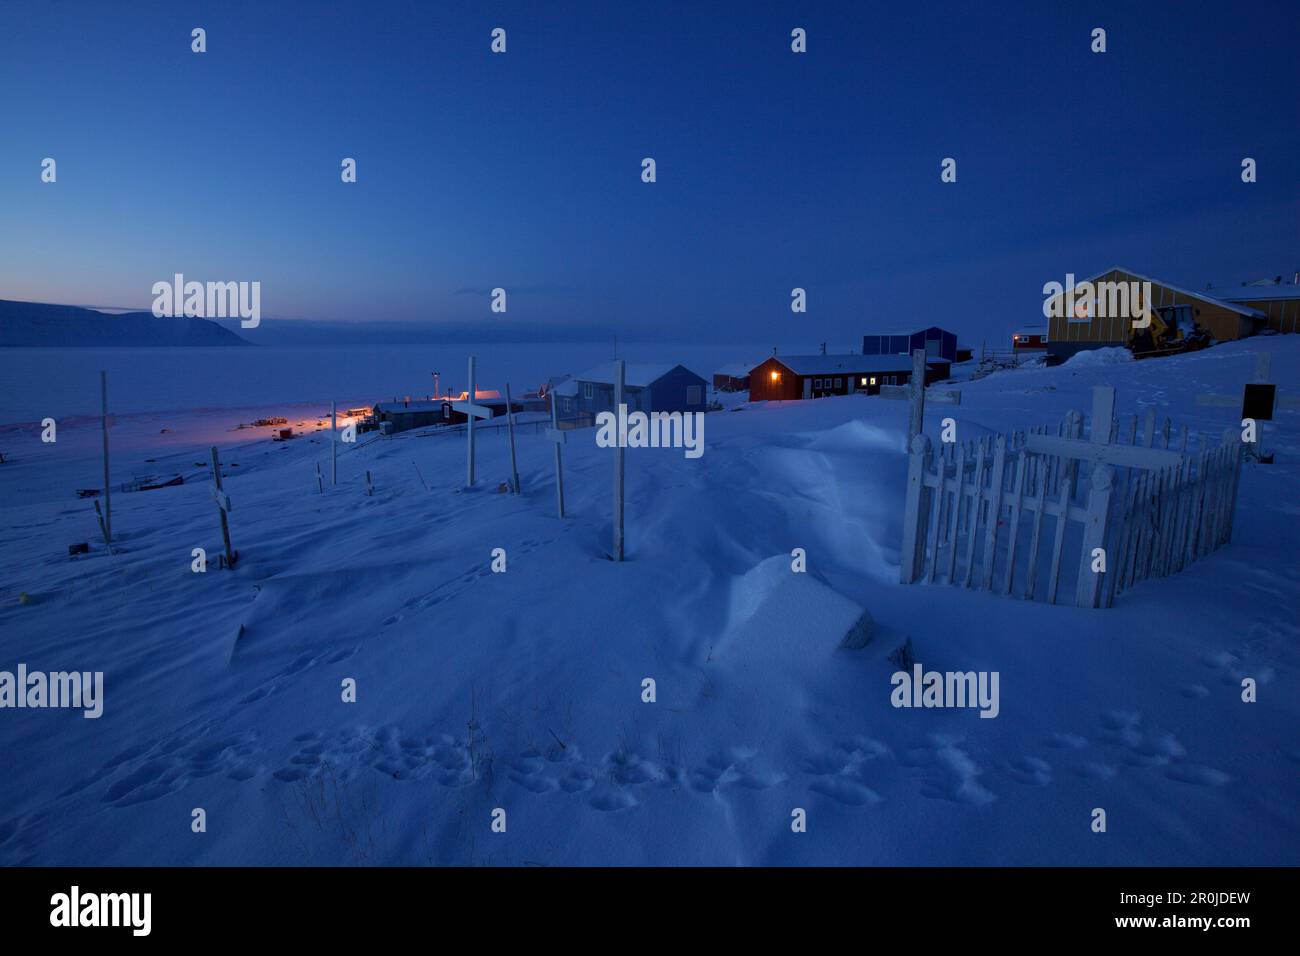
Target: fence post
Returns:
[913, 555]
[996, 484]
[1094, 535]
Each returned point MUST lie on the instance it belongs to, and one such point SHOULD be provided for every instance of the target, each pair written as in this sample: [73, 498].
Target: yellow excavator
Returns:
[1162, 336]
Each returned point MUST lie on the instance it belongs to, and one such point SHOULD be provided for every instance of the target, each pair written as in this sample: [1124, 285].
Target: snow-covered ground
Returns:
[523, 690]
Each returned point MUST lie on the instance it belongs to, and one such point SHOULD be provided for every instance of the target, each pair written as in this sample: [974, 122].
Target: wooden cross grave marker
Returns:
[914, 392]
[471, 412]
[1258, 401]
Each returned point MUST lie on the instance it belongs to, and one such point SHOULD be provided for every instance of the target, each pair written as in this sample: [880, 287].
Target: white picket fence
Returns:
[977, 513]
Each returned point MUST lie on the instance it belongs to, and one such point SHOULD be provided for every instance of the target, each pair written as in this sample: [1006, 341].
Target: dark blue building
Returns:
[937, 343]
[646, 388]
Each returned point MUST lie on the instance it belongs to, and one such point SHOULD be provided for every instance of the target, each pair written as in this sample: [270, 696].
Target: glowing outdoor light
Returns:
[776, 376]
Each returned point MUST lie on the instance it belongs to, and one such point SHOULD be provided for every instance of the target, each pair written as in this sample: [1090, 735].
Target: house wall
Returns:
[671, 392]
[680, 390]
[791, 386]
[935, 341]
[763, 389]
[1283, 314]
[730, 383]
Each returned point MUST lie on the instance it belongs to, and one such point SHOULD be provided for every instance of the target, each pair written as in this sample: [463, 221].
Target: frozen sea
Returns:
[51, 382]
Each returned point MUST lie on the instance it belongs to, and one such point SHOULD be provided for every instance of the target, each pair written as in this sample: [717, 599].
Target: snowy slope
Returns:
[523, 690]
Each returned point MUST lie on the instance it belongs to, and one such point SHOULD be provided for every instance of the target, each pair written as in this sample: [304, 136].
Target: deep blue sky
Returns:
[523, 170]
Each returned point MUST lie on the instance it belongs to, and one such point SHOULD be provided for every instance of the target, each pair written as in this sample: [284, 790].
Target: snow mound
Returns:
[855, 435]
[1115, 355]
[778, 612]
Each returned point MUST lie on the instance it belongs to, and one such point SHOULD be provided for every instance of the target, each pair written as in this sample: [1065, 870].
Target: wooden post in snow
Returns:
[916, 407]
[370, 488]
[99, 515]
[618, 462]
[469, 429]
[223, 506]
[472, 412]
[510, 427]
[334, 447]
[103, 420]
[320, 482]
[554, 434]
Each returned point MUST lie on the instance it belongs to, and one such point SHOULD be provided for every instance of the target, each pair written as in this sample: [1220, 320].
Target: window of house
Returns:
[568, 404]
[839, 383]
[692, 395]
[873, 380]
[586, 390]
[864, 380]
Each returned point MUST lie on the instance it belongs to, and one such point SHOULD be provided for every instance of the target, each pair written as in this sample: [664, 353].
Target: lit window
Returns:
[864, 380]
[776, 376]
[873, 380]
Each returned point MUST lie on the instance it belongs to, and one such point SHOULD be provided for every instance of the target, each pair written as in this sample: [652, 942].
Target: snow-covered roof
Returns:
[636, 376]
[1257, 293]
[846, 364]
[1240, 309]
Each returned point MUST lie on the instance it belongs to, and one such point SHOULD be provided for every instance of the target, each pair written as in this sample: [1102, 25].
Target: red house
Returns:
[790, 377]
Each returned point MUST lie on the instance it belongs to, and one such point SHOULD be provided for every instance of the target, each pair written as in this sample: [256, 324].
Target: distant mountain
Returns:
[36, 325]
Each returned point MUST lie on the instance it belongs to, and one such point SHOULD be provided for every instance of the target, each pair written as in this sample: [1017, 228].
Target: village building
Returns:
[732, 378]
[646, 388]
[405, 414]
[1278, 300]
[1180, 319]
[789, 377]
[934, 341]
[1032, 338]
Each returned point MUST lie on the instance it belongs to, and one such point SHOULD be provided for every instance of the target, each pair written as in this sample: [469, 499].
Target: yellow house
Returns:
[1278, 300]
[1099, 312]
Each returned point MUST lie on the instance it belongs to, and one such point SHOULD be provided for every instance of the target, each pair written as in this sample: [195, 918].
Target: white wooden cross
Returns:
[1097, 448]
[472, 412]
[1263, 365]
[554, 434]
[915, 393]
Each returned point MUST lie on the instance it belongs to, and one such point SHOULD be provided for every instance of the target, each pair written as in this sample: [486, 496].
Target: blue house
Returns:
[937, 342]
[646, 388]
